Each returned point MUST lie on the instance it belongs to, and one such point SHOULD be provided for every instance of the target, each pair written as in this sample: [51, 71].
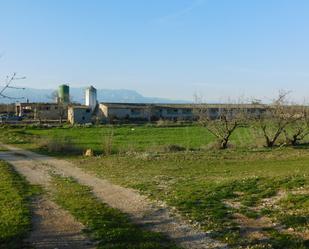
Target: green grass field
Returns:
[200, 184]
[15, 216]
[130, 137]
[124, 137]
[248, 196]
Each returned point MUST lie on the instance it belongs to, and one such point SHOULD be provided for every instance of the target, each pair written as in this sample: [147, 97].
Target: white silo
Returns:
[91, 97]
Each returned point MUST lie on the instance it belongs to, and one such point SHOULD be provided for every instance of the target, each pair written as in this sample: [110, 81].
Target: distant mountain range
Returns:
[77, 95]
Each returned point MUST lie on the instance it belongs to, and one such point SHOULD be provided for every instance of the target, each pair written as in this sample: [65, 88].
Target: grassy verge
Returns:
[15, 216]
[108, 226]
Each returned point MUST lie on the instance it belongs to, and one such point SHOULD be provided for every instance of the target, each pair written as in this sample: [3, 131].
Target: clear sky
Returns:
[162, 48]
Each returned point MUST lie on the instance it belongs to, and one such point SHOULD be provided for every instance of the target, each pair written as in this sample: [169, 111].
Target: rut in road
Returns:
[141, 210]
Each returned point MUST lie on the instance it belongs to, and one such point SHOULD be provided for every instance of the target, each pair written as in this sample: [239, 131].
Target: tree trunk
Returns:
[224, 143]
[294, 140]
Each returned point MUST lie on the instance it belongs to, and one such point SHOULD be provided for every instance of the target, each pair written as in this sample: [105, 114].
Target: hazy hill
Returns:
[77, 95]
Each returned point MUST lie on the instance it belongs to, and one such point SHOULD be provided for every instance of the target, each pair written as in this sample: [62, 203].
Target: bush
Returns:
[173, 148]
[61, 145]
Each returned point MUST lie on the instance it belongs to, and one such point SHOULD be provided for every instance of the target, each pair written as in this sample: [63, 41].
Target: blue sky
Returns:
[163, 48]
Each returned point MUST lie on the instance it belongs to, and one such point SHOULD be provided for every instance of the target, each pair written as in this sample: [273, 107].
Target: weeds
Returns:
[108, 141]
[60, 145]
[173, 148]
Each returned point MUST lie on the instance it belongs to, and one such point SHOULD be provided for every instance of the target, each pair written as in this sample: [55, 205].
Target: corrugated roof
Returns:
[143, 105]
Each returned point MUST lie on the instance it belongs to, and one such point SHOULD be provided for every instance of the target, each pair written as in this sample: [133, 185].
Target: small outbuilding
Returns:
[79, 115]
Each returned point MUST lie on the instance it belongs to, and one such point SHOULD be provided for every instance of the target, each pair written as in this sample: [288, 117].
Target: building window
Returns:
[187, 111]
[213, 111]
[136, 111]
[172, 111]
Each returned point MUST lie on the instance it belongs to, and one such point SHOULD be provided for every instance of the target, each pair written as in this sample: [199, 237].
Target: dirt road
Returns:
[141, 210]
[52, 227]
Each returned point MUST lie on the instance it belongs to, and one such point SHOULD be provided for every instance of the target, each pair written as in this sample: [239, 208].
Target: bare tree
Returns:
[53, 96]
[276, 118]
[298, 129]
[221, 121]
[62, 110]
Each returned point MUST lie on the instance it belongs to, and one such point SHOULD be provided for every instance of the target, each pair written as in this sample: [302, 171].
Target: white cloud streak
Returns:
[182, 12]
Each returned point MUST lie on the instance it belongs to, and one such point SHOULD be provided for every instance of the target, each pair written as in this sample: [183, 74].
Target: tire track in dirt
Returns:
[142, 211]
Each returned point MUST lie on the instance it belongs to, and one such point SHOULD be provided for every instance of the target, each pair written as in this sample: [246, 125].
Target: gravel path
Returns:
[52, 227]
[141, 210]
[55, 228]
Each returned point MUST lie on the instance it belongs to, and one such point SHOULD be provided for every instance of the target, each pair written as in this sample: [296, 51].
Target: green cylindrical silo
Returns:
[64, 93]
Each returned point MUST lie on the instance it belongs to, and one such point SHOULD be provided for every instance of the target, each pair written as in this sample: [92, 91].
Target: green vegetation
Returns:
[213, 187]
[200, 185]
[108, 226]
[299, 204]
[15, 219]
[126, 138]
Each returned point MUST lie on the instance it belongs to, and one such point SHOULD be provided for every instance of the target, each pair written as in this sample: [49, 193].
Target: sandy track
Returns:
[142, 211]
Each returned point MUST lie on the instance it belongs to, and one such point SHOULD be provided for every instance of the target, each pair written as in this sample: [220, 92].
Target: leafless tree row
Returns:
[276, 120]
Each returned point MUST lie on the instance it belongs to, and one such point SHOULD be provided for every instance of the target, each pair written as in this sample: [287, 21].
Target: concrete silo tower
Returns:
[64, 94]
[91, 97]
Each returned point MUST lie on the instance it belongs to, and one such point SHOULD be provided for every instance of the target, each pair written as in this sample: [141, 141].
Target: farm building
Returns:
[119, 111]
[41, 111]
[128, 112]
[7, 109]
[79, 115]
[148, 112]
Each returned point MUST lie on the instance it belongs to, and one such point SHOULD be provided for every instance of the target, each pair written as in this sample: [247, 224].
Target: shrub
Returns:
[173, 148]
[61, 145]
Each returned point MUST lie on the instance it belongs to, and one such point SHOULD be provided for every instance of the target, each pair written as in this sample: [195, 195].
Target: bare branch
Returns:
[278, 116]
[8, 82]
[221, 121]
